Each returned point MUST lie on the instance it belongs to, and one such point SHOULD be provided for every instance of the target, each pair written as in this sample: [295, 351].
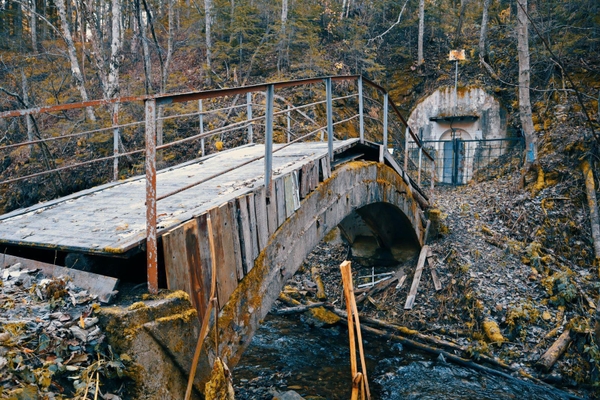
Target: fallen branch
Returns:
[557, 349]
[588, 177]
[465, 362]
[297, 309]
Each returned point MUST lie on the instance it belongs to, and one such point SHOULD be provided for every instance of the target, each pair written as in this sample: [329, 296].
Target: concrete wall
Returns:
[490, 122]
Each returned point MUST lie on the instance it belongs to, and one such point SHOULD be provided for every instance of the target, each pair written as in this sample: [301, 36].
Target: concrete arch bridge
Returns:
[288, 173]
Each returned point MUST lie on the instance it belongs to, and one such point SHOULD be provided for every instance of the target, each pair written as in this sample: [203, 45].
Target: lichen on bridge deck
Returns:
[112, 218]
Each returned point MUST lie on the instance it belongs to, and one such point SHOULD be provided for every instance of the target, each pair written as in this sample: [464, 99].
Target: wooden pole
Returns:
[211, 304]
[346, 269]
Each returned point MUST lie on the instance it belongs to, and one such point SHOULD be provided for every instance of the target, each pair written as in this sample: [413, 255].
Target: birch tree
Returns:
[524, 82]
[420, 58]
[72, 52]
[33, 25]
[208, 21]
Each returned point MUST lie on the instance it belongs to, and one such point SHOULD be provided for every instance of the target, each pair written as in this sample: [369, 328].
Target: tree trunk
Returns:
[116, 43]
[284, 14]
[420, 58]
[33, 26]
[30, 134]
[461, 18]
[524, 81]
[208, 20]
[484, 26]
[145, 49]
[590, 185]
[75, 70]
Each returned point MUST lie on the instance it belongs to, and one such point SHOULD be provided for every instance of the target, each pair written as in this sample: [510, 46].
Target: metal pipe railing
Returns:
[249, 122]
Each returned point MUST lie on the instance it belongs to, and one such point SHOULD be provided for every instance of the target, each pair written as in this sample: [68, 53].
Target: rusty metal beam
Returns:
[151, 237]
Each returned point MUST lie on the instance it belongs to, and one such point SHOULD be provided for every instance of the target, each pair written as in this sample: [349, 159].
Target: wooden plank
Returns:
[97, 285]
[304, 181]
[245, 235]
[225, 260]
[194, 267]
[204, 270]
[410, 300]
[235, 232]
[253, 230]
[434, 275]
[262, 225]
[280, 193]
[296, 190]
[289, 196]
[272, 221]
[315, 174]
[176, 263]
[325, 168]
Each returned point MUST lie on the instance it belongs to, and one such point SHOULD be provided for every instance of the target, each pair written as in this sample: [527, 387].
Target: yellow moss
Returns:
[540, 183]
[219, 386]
[137, 305]
[178, 294]
[331, 235]
[487, 230]
[185, 316]
[321, 295]
[492, 331]
[406, 331]
[324, 315]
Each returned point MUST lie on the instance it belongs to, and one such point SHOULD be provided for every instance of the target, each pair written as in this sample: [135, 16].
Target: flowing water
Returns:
[286, 353]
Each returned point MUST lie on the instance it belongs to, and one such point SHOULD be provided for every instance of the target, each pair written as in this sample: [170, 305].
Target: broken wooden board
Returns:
[245, 233]
[97, 285]
[262, 224]
[434, 275]
[224, 261]
[280, 198]
[410, 300]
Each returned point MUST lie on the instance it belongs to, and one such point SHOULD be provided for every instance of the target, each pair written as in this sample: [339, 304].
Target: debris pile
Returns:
[51, 345]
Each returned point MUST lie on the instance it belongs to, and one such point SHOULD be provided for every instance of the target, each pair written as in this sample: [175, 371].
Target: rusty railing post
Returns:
[360, 110]
[329, 118]
[151, 239]
[406, 149]
[289, 124]
[249, 112]
[269, 138]
[201, 123]
[385, 127]
[116, 141]
[420, 163]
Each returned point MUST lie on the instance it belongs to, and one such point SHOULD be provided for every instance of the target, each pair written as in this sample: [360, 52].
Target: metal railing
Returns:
[459, 161]
[175, 126]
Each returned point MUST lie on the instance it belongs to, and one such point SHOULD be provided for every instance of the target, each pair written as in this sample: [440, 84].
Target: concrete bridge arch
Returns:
[363, 190]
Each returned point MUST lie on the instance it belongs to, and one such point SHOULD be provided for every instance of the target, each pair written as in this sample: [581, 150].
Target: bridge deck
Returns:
[112, 218]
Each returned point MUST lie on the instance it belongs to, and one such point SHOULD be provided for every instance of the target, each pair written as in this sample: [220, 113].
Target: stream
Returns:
[289, 354]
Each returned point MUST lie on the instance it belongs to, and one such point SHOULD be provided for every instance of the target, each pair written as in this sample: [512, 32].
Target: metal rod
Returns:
[289, 123]
[329, 119]
[151, 238]
[420, 163]
[116, 141]
[21, 178]
[360, 110]
[249, 116]
[72, 135]
[269, 138]
[385, 125]
[406, 149]
[213, 111]
[201, 123]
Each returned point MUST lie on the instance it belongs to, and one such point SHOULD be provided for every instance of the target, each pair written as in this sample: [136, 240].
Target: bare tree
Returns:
[525, 113]
[72, 52]
[420, 58]
[483, 32]
[33, 26]
[208, 20]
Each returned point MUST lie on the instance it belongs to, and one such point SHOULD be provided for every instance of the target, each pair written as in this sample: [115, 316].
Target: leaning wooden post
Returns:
[151, 239]
[269, 138]
[357, 377]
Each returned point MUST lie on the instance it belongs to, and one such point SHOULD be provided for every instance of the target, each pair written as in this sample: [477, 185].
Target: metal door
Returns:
[454, 161]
